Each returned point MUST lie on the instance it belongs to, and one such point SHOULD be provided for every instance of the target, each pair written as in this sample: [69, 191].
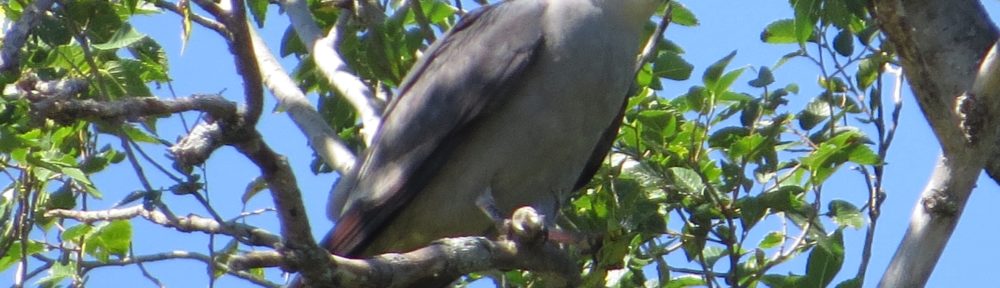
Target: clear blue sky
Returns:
[205, 67]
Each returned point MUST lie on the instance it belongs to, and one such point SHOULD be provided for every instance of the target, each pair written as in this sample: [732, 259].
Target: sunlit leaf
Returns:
[846, 214]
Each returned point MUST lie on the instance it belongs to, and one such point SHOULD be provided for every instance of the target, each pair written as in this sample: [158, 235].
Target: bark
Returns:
[940, 45]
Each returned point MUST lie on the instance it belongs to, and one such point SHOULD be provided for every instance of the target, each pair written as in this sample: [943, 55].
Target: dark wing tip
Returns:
[347, 239]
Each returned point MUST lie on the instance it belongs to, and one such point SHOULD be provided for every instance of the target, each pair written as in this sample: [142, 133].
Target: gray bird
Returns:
[521, 99]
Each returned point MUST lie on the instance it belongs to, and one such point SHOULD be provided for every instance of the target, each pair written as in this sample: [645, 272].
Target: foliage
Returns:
[729, 176]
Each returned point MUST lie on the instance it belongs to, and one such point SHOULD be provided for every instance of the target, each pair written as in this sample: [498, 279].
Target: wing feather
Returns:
[457, 81]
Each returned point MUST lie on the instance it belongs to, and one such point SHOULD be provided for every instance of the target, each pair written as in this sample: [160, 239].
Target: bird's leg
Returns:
[488, 205]
[526, 224]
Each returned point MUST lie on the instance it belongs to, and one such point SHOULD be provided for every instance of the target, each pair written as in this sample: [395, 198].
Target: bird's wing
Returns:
[457, 81]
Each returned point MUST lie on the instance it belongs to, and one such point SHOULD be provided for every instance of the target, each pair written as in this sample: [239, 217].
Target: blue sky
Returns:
[206, 67]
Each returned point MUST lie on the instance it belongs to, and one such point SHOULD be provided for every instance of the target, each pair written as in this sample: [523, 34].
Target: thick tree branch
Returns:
[333, 66]
[130, 109]
[247, 234]
[321, 137]
[300, 246]
[347, 84]
[940, 44]
[446, 258]
[14, 38]
[241, 45]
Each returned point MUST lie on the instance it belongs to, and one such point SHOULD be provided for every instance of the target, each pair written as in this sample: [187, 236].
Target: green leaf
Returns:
[825, 260]
[693, 243]
[806, 15]
[138, 135]
[258, 8]
[69, 58]
[687, 180]
[713, 254]
[780, 32]
[764, 78]
[13, 253]
[681, 15]
[771, 240]
[863, 155]
[671, 66]
[868, 71]
[76, 174]
[125, 37]
[694, 99]
[816, 112]
[844, 43]
[751, 113]
[57, 273]
[846, 214]
[253, 188]
[112, 238]
[747, 147]
[725, 137]
[782, 281]
[124, 78]
[714, 72]
[684, 282]
[727, 80]
[751, 211]
[784, 199]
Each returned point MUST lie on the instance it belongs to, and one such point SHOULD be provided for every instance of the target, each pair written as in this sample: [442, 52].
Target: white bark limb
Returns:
[347, 84]
[321, 137]
[936, 215]
[333, 67]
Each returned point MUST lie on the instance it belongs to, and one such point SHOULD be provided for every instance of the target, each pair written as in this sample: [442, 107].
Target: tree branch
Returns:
[300, 246]
[175, 255]
[347, 84]
[130, 109]
[333, 66]
[227, 129]
[14, 38]
[321, 137]
[445, 258]
[940, 44]
[247, 234]
[241, 45]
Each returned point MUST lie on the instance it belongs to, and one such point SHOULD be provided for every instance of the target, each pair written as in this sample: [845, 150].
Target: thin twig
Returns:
[246, 234]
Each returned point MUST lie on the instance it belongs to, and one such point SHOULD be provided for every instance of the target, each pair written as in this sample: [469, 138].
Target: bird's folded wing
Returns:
[459, 79]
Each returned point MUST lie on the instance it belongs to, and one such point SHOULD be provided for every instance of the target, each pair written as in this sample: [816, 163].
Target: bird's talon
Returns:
[528, 226]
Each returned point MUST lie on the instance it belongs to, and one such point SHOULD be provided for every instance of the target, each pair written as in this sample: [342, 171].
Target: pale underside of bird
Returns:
[522, 99]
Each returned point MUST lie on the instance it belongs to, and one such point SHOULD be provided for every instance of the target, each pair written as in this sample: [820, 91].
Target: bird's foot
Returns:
[526, 226]
[486, 204]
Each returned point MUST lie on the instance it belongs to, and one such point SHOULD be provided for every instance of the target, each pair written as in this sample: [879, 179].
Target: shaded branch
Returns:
[201, 20]
[226, 129]
[247, 234]
[445, 258]
[130, 109]
[241, 45]
[300, 246]
[14, 38]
